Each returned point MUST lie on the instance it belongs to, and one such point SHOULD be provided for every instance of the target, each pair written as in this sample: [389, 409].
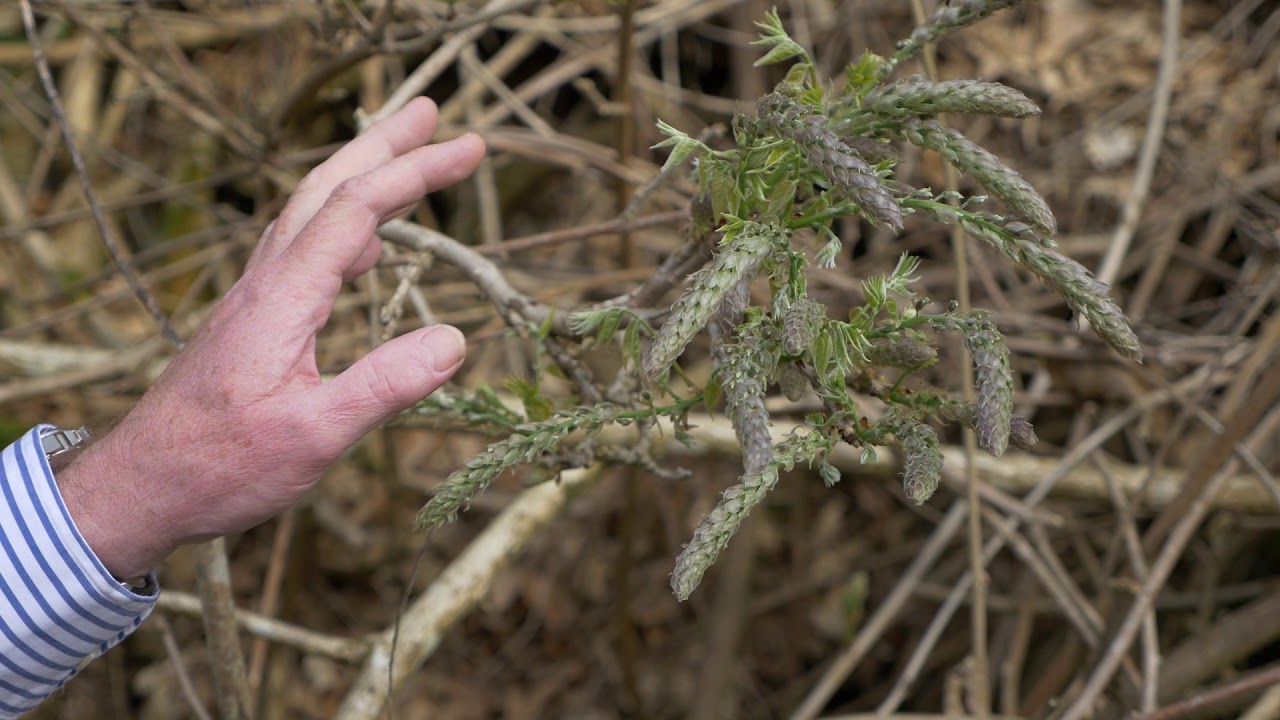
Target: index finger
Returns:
[410, 127]
[341, 233]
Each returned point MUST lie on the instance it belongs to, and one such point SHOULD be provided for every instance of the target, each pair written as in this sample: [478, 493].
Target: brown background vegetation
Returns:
[195, 119]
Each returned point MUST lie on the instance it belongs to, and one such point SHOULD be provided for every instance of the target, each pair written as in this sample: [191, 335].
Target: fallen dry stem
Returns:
[350, 650]
[456, 591]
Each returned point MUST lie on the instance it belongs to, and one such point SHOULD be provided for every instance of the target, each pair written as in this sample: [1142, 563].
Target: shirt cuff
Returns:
[58, 604]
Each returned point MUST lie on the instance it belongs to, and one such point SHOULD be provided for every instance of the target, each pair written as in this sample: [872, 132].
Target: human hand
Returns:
[239, 426]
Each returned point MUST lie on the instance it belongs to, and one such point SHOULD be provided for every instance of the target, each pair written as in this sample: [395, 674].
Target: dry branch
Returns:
[1015, 473]
[347, 650]
[458, 589]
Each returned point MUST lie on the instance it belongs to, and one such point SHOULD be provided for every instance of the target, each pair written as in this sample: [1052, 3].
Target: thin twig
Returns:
[108, 239]
[917, 716]
[651, 26]
[269, 602]
[1015, 657]
[626, 128]
[456, 592]
[249, 146]
[1237, 688]
[1046, 482]
[1040, 540]
[678, 266]
[1267, 707]
[1086, 623]
[1156, 122]
[193, 82]
[582, 232]
[467, 29]
[980, 677]
[1217, 648]
[878, 623]
[1267, 393]
[180, 668]
[514, 51]
[308, 641]
[666, 172]
[516, 308]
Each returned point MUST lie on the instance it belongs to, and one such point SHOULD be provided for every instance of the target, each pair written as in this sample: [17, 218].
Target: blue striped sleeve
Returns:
[59, 607]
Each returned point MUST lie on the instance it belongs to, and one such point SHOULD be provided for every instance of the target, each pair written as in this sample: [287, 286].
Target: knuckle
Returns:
[349, 191]
[382, 390]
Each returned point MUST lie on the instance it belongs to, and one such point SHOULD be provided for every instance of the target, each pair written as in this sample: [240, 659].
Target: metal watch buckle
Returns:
[60, 440]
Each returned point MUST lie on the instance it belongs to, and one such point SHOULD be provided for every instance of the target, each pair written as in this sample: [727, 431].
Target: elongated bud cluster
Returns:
[848, 174]
[1022, 434]
[949, 17]
[534, 440]
[993, 377]
[745, 371]
[743, 365]
[716, 529]
[917, 96]
[792, 381]
[922, 461]
[1084, 294]
[900, 353]
[801, 323]
[971, 159]
[738, 261]
[873, 151]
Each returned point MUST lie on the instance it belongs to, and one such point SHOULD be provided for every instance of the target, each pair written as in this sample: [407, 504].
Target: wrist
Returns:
[107, 498]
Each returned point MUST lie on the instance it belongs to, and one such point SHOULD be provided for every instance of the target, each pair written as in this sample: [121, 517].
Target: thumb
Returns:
[393, 377]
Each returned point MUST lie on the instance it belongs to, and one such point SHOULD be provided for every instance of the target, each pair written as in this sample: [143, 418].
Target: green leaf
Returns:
[683, 436]
[544, 330]
[780, 53]
[682, 146]
[773, 36]
[830, 474]
[718, 179]
[901, 278]
[862, 76]
[821, 352]
[797, 77]
[489, 399]
[536, 407]
[812, 94]
[844, 342]
[828, 253]
[876, 292]
[585, 322]
[631, 341]
[780, 199]
[609, 325]
[868, 455]
[711, 393]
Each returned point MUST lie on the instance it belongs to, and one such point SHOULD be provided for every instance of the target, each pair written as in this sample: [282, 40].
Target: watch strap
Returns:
[56, 441]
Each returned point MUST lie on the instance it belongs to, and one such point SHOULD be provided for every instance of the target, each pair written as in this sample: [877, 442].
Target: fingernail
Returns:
[443, 348]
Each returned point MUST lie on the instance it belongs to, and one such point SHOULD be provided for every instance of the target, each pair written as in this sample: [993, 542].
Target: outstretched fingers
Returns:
[338, 243]
[409, 128]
